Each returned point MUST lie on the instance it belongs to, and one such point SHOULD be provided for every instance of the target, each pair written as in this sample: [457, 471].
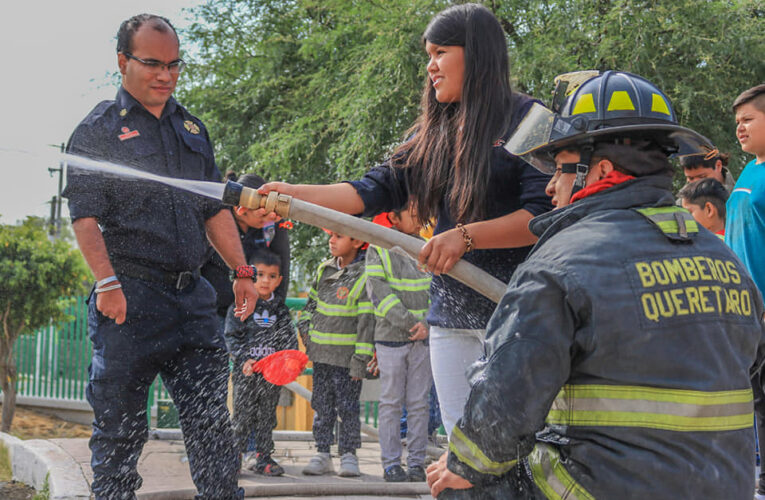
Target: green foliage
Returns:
[701, 53]
[307, 91]
[35, 274]
[6, 472]
[317, 91]
[44, 494]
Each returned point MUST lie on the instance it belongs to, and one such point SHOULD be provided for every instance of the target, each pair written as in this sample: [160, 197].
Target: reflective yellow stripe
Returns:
[386, 304]
[391, 300]
[666, 219]
[671, 226]
[365, 307]
[552, 478]
[365, 349]
[650, 407]
[358, 287]
[469, 454]
[375, 270]
[332, 338]
[385, 258]
[409, 284]
[418, 313]
[328, 309]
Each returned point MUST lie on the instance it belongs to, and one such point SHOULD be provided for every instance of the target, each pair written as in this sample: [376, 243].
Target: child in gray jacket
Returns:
[398, 291]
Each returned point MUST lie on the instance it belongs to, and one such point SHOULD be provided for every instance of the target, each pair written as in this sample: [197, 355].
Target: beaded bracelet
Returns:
[244, 271]
[466, 237]
[107, 288]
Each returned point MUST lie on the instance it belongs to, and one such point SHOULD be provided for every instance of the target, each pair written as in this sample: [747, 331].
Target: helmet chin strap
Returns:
[580, 168]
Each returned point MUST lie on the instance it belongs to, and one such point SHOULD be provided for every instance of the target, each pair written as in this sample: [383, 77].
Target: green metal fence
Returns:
[53, 362]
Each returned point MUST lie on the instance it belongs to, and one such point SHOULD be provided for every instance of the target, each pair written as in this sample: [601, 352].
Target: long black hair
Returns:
[450, 150]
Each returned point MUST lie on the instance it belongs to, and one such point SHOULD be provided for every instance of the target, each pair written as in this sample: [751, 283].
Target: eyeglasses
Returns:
[156, 67]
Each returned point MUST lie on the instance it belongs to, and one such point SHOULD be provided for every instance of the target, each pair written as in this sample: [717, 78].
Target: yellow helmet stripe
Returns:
[620, 101]
[585, 104]
[659, 105]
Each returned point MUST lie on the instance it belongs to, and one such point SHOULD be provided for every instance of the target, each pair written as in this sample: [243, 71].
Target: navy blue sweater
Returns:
[513, 185]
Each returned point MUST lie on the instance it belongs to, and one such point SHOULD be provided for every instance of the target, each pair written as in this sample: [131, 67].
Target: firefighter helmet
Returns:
[591, 107]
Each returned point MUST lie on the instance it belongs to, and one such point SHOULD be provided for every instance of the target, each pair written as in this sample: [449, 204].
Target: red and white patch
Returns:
[128, 134]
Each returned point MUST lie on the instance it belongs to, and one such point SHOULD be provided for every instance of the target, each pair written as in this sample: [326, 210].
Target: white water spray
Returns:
[204, 188]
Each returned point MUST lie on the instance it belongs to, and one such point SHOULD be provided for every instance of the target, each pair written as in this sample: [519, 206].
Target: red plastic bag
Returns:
[279, 368]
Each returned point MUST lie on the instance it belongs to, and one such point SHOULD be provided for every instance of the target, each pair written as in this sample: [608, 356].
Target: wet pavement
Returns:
[165, 471]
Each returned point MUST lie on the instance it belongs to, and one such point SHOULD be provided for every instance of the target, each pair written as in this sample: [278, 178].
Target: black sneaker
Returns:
[416, 474]
[395, 474]
[267, 466]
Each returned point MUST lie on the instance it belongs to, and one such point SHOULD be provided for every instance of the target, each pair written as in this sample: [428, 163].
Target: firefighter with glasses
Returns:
[619, 362]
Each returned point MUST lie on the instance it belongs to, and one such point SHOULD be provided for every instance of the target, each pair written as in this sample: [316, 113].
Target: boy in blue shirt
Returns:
[745, 222]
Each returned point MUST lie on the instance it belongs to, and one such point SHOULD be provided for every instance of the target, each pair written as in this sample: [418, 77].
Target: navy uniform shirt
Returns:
[145, 222]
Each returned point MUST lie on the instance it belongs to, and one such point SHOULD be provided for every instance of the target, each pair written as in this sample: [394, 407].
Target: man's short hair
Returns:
[638, 158]
[267, 258]
[704, 160]
[129, 27]
[755, 95]
[253, 181]
[706, 190]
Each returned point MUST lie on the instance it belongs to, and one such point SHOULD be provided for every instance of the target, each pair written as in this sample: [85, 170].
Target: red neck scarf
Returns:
[610, 180]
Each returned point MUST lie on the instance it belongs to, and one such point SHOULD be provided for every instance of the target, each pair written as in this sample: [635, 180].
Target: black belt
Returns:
[176, 280]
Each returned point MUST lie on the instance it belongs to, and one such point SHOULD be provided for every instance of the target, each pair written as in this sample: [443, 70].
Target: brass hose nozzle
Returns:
[239, 195]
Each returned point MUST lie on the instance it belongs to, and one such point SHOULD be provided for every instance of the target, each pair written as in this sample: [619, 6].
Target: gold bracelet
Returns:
[466, 237]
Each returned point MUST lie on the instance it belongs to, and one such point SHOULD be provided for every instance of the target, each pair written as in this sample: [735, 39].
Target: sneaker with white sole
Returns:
[320, 464]
[349, 466]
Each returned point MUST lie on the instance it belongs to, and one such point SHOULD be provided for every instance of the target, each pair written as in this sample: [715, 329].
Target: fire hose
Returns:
[308, 213]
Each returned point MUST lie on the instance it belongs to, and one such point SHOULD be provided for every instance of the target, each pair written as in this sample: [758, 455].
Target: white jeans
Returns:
[452, 351]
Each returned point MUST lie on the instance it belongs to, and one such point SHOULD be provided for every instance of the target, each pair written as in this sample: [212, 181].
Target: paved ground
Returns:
[165, 471]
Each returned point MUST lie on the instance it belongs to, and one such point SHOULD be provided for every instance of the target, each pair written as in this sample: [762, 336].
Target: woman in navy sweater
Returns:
[457, 171]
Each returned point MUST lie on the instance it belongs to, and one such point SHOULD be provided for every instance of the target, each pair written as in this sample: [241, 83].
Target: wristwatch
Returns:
[244, 271]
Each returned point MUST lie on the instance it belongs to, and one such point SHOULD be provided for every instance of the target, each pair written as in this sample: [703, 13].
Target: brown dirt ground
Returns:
[31, 424]
[16, 491]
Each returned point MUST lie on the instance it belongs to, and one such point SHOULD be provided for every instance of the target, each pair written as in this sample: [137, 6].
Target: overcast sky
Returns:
[56, 60]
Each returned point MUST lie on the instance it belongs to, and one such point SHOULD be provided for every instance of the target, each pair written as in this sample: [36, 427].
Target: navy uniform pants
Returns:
[255, 401]
[335, 393]
[176, 334]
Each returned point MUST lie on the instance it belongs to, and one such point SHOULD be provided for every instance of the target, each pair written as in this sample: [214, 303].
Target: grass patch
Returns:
[6, 474]
[43, 494]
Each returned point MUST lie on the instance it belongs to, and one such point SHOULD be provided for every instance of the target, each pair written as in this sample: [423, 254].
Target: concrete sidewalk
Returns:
[165, 471]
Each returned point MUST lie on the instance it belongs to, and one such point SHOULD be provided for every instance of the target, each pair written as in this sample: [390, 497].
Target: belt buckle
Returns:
[184, 279]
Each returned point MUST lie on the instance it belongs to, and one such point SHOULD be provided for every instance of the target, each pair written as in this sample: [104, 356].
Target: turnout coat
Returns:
[628, 338]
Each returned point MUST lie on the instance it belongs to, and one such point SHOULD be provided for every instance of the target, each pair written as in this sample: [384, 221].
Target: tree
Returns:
[317, 91]
[35, 277]
[701, 53]
[307, 91]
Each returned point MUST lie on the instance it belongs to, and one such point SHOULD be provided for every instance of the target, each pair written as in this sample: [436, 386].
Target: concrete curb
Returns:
[378, 489]
[177, 435]
[34, 460]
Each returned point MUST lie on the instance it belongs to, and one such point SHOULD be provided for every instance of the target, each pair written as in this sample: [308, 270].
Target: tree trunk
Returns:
[9, 404]
[8, 384]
